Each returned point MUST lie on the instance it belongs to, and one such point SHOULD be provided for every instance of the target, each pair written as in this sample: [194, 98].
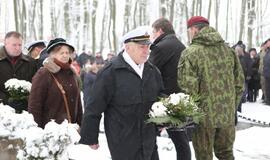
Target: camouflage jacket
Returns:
[211, 70]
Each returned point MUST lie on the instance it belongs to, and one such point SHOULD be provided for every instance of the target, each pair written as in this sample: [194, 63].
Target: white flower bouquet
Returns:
[176, 111]
[18, 91]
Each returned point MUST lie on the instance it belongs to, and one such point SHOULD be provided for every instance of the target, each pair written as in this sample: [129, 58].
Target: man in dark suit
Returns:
[165, 53]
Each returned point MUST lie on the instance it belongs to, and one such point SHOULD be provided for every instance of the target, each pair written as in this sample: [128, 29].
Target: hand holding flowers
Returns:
[178, 110]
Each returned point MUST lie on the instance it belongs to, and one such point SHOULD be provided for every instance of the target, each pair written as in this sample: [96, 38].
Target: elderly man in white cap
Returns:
[124, 90]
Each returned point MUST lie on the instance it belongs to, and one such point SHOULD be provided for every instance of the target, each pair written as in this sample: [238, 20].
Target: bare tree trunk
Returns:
[187, 17]
[193, 8]
[95, 4]
[53, 19]
[41, 19]
[23, 20]
[143, 15]
[258, 10]
[172, 10]
[67, 18]
[17, 22]
[103, 30]
[217, 12]
[86, 22]
[227, 19]
[126, 27]
[209, 9]
[180, 30]
[242, 19]
[134, 14]
[109, 27]
[113, 13]
[199, 7]
[259, 36]
[140, 13]
[32, 17]
[163, 10]
[251, 18]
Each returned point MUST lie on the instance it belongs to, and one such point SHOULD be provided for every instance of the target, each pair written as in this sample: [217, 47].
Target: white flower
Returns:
[158, 110]
[17, 84]
[175, 110]
[174, 98]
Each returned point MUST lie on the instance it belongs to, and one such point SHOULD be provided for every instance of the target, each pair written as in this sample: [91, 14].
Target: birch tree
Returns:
[41, 23]
[103, 29]
[67, 18]
[172, 4]
[134, 14]
[209, 9]
[251, 18]
[113, 19]
[15, 9]
[126, 26]
[163, 9]
[142, 14]
[199, 7]
[32, 18]
[217, 12]
[93, 17]
[54, 19]
[242, 19]
[23, 19]
[227, 19]
[86, 21]
[193, 7]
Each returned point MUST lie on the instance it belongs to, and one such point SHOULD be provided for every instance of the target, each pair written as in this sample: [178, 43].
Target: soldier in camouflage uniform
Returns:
[211, 70]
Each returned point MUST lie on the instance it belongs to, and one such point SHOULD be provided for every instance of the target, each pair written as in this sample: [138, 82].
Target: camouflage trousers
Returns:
[206, 139]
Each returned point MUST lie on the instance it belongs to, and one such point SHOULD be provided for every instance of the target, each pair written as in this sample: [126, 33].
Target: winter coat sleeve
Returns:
[37, 96]
[188, 74]
[100, 96]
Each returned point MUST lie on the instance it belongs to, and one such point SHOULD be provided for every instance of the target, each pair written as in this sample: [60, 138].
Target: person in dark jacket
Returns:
[266, 72]
[165, 54]
[14, 64]
[84, 57]
[254, 82]
[246, 64]
[88, 77]
[46, 100]
[125, 90]
[35, 48]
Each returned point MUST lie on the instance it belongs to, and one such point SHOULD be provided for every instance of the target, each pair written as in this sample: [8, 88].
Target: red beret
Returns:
[196, 20]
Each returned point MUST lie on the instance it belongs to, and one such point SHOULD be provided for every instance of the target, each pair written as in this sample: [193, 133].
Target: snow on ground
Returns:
[258, 111]
[251, 144]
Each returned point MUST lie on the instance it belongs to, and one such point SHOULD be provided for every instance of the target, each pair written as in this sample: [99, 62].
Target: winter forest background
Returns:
[97, 25]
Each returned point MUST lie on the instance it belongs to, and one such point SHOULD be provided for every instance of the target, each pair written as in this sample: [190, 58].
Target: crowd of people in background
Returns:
[256, 71]
[59, 74]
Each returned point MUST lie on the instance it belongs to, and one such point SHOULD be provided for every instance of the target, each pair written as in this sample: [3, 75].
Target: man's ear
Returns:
[127, 46]
[161, 31]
